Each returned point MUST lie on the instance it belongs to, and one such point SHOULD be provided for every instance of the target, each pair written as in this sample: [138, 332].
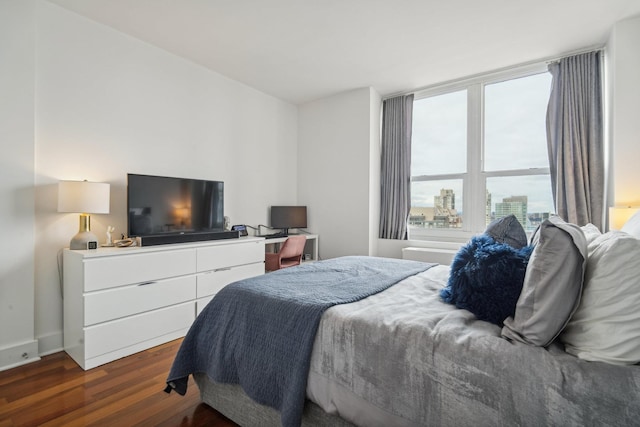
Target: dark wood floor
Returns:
[128, 392]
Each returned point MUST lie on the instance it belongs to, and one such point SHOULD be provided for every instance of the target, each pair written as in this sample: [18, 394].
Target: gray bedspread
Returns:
[404, 358]
[259, 332]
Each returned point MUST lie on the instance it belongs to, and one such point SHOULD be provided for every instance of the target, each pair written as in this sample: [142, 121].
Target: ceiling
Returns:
[302, 50]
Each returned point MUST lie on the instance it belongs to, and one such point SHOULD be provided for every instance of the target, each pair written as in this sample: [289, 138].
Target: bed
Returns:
[402, 357]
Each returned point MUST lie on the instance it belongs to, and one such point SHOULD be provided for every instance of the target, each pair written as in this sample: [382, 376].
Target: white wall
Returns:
[375, 150]
[624, 103]
[108, 104]
[336, 153]
[17, 51]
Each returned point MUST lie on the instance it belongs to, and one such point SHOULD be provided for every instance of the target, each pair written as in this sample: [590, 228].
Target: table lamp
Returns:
[618, 216]
[85, 198]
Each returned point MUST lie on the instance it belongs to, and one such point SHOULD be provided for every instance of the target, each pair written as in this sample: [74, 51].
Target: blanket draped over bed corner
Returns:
[259, 332]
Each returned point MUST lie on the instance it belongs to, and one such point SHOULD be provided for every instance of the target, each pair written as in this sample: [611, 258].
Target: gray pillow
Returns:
[508, 230]
[552, 284]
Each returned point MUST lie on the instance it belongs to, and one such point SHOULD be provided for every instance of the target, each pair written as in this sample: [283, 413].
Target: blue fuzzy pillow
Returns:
[486, 278]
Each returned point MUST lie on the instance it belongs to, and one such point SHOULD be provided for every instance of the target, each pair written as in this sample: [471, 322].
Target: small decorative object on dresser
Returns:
[109, 240]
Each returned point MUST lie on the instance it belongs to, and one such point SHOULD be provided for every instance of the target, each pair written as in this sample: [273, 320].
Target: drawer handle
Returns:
[146, 283]
[223, 269]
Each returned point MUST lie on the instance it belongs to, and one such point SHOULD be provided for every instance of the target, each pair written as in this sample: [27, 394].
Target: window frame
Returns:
[474, 180]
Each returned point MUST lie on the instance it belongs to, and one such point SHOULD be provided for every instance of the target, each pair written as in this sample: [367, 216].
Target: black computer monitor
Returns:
[286, 217]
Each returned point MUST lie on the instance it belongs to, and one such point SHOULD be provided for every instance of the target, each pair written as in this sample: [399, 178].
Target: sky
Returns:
[514, 138]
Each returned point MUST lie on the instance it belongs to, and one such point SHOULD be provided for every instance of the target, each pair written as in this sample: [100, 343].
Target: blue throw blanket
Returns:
[259, 332]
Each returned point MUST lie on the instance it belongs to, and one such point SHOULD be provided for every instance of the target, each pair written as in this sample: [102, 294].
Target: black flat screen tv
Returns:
[166, 206]
[286, 217]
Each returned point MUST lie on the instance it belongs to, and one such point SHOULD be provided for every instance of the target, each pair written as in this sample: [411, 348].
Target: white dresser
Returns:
[118, 301]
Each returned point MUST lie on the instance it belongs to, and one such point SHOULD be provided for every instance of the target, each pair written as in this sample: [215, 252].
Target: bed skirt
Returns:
[231, 401]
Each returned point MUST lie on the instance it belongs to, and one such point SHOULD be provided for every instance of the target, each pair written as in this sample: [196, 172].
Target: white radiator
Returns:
[441, 256]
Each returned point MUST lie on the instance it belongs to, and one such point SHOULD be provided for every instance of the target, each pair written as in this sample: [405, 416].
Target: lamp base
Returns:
[84, 240]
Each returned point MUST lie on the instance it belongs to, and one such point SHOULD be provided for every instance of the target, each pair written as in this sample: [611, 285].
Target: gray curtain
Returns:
[575, 139]
[395, 179]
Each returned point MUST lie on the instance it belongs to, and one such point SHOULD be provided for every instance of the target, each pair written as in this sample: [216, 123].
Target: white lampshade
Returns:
[618, 216]
[83, 197]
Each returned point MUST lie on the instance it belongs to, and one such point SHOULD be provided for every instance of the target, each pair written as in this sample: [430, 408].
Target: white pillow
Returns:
[591, 232]
[632, 226]
[606, 325]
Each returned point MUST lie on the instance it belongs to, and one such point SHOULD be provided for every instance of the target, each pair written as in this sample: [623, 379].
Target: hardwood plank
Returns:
[55, 391]
[99, 412]
[49, 392]
[54, 407]
[50, 362]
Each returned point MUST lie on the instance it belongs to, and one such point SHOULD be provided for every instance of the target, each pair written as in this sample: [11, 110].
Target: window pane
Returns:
[527, 197]
[515, 129]
[436, 204]
[439, 135]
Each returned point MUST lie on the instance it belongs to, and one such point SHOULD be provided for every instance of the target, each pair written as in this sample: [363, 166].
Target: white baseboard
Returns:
[18, 355]
[51, 343]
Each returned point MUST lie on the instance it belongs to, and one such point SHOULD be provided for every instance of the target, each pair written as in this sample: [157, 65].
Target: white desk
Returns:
[310, 248]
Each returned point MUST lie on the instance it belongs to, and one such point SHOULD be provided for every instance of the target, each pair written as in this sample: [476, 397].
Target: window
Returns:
[479, 152]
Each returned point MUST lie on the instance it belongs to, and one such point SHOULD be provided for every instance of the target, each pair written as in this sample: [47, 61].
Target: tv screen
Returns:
[285, 217]
[159, 205]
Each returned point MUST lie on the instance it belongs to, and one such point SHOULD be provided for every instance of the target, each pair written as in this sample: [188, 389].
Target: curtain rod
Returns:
[548, 60]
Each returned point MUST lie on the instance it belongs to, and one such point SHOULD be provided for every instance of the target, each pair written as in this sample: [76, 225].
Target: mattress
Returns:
[404, 358]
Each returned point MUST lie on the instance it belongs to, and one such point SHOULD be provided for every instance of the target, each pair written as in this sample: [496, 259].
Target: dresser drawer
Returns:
[114, 271]
[202, 303]
[222, 256]
[210, 282]
[118, 334]
[102, 306]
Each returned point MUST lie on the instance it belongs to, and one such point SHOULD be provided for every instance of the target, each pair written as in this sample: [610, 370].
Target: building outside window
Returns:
[479, 152]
